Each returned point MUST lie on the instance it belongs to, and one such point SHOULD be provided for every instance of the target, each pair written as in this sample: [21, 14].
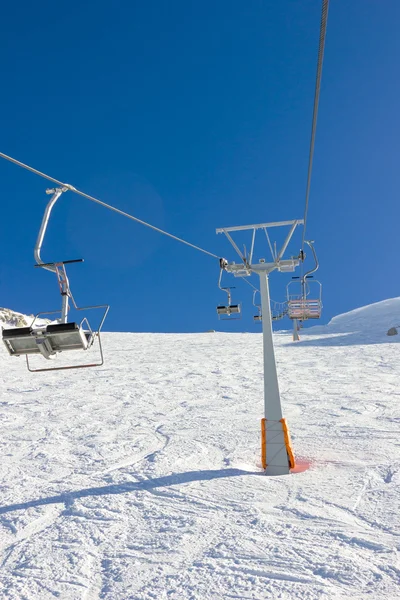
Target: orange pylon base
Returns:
[288, 443]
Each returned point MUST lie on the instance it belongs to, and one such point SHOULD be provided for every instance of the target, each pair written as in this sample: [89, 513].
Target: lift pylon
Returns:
[276, 452]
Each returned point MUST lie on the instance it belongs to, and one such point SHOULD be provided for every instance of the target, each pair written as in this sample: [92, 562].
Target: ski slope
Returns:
[141, 480]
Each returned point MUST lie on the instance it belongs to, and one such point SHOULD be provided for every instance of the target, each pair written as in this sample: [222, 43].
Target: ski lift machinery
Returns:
[277, 456]
[50, 339]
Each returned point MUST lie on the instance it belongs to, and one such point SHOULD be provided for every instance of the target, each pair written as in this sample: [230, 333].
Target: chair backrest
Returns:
[301, 308]
[229, 309]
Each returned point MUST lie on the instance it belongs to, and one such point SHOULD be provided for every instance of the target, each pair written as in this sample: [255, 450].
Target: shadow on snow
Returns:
[175, 479]
[356, 338]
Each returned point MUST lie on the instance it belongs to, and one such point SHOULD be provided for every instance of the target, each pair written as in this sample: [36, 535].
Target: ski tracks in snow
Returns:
[140, 481]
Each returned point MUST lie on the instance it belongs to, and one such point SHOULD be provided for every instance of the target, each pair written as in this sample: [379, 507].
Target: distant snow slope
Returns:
[140, 479]
[374, 318]
[368, 324]
[10, 318]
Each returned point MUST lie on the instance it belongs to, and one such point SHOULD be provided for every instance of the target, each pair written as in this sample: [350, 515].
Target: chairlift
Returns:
[258, 316]
[278, 310]
[51, 339]
[225, 311]
[304, 294]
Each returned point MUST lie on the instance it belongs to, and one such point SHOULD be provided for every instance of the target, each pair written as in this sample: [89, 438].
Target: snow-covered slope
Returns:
[367, 325]
[374, 318]
[140, 479]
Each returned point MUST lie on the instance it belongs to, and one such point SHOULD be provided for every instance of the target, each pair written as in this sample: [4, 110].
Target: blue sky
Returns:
[195, 116]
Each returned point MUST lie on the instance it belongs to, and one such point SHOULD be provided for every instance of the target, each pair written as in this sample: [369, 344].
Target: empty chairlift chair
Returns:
[228, 310]
[225, 311]
[258, 317]
[304, 308]
[53, 338]
[49, 339]
[304, 294]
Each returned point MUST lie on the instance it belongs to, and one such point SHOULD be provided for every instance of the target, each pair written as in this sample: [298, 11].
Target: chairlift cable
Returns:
[322, 35]
[97, 201]
[248, 283]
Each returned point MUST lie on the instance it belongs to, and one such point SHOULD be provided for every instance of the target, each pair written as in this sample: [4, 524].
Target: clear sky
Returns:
[196, 115]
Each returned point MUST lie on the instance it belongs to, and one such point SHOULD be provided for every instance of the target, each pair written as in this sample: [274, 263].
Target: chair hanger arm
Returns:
[43, 227]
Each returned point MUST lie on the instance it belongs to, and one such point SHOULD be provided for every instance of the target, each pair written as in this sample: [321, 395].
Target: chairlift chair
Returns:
[225, 311]
[301, 305]
[278, 310]
[304, 294]
[258, 316]
[50, 339]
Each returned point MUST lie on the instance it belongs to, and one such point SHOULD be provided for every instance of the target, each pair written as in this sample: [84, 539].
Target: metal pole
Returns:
[53, 268]
[56, 194]
[277, 456]
[276, 453]
[64, 309]
[272, 403]
[296, 337]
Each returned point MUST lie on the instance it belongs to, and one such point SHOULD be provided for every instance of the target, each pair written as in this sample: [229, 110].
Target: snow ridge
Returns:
[10, 318]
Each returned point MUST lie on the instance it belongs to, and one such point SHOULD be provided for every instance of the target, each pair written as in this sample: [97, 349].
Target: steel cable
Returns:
[97, 201]
[321, 47]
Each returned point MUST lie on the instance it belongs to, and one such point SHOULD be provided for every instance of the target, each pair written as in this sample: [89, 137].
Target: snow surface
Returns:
[141, 479]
